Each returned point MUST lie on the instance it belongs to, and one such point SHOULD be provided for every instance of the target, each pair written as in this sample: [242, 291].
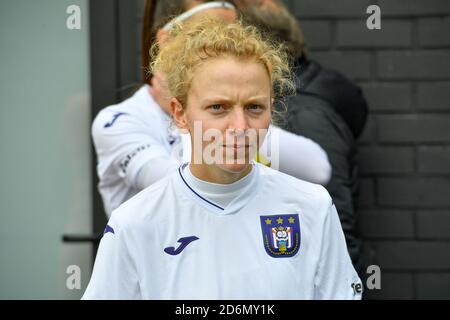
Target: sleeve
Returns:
[124, 145]
[296, 155]
[155, 170]
[114, 275]
[335, 277]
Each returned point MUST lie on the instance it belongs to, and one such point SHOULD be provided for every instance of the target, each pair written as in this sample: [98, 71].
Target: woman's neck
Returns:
[214, 174]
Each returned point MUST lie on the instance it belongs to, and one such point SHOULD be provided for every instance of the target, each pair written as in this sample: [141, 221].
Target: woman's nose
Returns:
[238, 121]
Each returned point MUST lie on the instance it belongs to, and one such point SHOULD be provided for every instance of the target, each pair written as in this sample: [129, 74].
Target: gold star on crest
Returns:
[268, 221]
[280, 220]
[291, 220]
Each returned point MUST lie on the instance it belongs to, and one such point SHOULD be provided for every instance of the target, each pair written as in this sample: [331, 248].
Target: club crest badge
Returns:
[281, 235]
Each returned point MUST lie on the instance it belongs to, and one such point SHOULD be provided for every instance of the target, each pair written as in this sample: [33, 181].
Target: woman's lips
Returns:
[236, 146]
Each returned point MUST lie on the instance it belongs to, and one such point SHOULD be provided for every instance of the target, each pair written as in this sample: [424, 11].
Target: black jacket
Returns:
[331, 110]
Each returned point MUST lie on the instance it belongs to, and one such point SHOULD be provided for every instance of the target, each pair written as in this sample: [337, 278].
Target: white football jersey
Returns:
[280, 239]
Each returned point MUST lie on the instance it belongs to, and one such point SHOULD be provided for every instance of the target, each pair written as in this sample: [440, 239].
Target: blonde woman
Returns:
[230, 228]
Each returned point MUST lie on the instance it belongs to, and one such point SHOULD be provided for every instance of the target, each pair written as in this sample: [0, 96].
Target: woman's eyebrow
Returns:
[258, 98]
[225, 99]
[216, 99]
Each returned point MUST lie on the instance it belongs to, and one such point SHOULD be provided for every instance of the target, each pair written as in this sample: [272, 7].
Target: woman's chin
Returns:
[234, 167]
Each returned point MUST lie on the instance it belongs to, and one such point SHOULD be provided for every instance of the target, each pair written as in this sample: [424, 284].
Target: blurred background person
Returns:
[328, 108]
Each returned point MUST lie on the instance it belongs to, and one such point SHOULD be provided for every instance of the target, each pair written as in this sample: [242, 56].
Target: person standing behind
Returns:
[327, 108]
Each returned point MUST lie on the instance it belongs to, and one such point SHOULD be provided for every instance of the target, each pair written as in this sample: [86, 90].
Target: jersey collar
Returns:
[234, 206]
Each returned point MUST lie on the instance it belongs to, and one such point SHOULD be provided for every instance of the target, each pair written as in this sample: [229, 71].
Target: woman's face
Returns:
[227, 113]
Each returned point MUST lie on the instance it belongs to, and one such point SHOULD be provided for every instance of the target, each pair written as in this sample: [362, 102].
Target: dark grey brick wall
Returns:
[404, 156]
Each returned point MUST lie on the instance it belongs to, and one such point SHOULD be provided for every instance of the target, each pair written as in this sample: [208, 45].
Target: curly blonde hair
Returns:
[191, 43]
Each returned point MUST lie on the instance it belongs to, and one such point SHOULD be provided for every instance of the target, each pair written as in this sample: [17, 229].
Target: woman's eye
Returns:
[216, 107]
[255, 108]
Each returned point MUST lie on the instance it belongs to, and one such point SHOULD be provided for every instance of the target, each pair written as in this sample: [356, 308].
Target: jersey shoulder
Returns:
[131, 112]
[313, 193]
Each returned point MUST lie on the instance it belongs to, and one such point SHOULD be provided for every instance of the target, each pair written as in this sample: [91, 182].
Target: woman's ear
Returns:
[161, 37]
[160, 92]
[179, 115]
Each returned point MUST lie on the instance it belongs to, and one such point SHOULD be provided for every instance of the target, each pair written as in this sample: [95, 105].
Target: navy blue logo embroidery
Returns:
[281, 235]
[108, 229]
[117, 115]
[184, 242]
[172, 139]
